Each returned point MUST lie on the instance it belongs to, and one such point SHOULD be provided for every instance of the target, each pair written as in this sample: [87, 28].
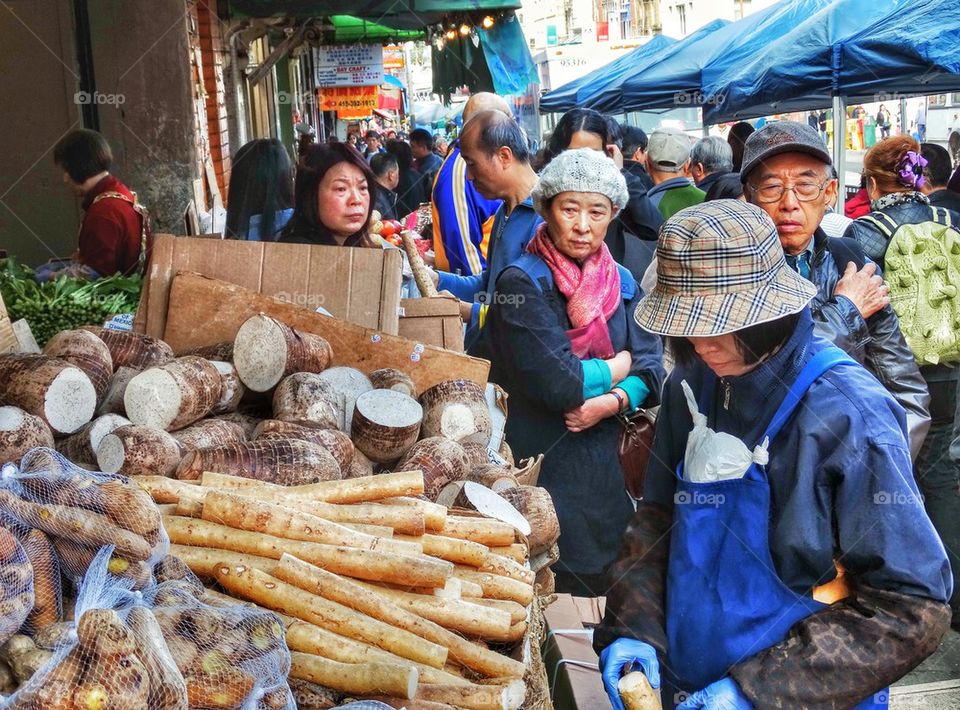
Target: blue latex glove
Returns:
[725, 694]
[621, 653]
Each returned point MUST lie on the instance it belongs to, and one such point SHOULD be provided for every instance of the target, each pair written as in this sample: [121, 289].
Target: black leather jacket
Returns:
[876, 342]
[873, 241]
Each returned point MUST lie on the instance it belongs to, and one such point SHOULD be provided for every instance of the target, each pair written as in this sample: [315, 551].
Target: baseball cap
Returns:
[668, 148]
[782, 137]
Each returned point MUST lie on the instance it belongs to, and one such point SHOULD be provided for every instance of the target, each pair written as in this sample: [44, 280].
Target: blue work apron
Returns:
[725, 601]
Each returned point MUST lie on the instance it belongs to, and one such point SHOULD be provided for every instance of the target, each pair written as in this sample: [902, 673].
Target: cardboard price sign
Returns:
[350, 101]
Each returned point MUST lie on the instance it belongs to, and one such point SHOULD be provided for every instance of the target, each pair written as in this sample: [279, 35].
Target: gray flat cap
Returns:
[782, 137]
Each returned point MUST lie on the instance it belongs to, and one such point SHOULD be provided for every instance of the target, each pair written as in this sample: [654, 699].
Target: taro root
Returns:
[457, 410]
[441, 460]
[385, 424]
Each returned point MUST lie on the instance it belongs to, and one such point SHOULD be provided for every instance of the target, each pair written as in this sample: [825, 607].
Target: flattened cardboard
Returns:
[357, 285]
[572, 667]
[432, 321]
[205, 311]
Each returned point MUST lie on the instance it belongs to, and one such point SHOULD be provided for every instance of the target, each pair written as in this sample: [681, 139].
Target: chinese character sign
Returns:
[350, 65]
[349, 102]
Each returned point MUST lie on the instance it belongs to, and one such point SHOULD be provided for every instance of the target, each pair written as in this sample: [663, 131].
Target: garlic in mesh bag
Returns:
[113, 657]
[81, 511]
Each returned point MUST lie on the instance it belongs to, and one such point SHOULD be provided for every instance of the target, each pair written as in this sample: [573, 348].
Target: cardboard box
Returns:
[357, 285]
[432, 321]
[8, 337]
[572, 667]
[205, 311]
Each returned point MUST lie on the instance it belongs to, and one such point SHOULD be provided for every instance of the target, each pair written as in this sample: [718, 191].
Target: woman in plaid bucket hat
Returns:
[781, 556]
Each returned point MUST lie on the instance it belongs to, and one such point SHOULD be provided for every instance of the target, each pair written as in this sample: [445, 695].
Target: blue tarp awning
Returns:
[576, 93]
[862, 49]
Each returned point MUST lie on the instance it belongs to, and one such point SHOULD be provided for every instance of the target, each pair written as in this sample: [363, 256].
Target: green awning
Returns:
[349, 30]
[398, 14]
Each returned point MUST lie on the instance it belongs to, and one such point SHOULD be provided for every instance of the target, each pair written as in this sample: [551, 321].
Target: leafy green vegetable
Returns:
[65, 302]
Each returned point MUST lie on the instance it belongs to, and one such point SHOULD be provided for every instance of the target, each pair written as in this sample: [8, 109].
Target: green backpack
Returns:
[922, 270]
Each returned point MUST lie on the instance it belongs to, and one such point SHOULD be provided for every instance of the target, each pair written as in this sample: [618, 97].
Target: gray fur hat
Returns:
[580, 170]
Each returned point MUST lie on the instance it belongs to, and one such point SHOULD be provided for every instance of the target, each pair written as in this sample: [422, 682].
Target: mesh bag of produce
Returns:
[44, 570]
[113, 656]
[16, 584]
[231, 656]
[80, 511]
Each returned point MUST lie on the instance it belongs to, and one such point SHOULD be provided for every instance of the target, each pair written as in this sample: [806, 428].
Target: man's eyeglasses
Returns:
[804, 191]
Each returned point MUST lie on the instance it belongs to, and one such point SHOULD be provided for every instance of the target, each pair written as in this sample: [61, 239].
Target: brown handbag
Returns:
[636, 441]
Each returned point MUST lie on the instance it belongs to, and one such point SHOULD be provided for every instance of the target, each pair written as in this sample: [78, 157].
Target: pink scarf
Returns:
[592, 291]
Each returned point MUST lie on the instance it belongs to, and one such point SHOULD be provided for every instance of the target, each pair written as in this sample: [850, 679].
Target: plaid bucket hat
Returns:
[720, 268]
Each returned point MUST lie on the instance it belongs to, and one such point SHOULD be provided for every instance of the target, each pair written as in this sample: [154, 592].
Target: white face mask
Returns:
[715, 456]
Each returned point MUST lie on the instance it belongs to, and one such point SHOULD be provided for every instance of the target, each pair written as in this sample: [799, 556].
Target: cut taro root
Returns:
[112, 402]
[457, 410]
[20, 432]
[496, 478]
[386, 424]
[231, 388]
[349, 384]
[360, 466]
[441, 460]
[266, 350]
[81, 448]
[174, 395]
[306, 398]
[139, 450]
[59, 393]
[392, 379]
[85, 350]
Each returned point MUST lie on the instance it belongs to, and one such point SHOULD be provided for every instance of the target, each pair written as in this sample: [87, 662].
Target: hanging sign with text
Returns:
[350, 65]
[350, 101]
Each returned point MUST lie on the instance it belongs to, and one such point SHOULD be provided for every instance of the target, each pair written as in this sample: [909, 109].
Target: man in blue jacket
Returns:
[495, 151]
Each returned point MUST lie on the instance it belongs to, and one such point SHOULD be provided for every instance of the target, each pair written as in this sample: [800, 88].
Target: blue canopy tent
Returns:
[677, 81]
[575, 93]
[856, 50]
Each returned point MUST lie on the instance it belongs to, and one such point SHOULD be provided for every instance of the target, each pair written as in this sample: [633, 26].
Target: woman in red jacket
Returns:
[114, 235]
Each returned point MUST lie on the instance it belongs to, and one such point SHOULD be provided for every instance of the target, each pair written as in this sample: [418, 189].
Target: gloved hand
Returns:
[725, 694]
[621, 653]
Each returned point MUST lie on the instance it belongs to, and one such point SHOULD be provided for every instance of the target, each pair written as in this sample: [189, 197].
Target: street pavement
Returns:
[935, 683]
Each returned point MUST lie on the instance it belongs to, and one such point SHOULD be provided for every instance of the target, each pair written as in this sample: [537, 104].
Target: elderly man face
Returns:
[795, 189]
[486, 171]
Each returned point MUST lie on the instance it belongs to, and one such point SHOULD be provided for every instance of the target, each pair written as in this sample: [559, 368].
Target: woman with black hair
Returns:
[260, 200]
[335, 191]
[410, 188]
[631, 237]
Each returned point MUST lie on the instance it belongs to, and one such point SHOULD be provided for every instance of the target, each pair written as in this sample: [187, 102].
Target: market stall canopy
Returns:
[580, 91]
[348, 29]
[859, 49]
[396, 14]
[677, 81]
[428, 113]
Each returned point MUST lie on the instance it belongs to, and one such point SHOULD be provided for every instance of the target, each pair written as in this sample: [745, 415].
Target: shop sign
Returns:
[392, 57]
[350, 65]
[552, 35]
[603, 31]
[350, 102]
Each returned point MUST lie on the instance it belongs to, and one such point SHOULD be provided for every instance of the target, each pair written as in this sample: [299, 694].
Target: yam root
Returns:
[421, 274]
[482, 530]
[274, 594]
[441, 461]
[266, 350]
[246, 513]
[21, 431]
[137, 450]
[360, 490]
[210, 433]
[289, 462]
[81, 447]
[128, 349]
[83, 526]
[476, 697]
[360, 678]
[61, 394]
[203, 561]
[434, 515]
[497, 587]
[352, 562]
[636, 693]
[333, 440]
[85, 350]
[173, 395]
[451, 549]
